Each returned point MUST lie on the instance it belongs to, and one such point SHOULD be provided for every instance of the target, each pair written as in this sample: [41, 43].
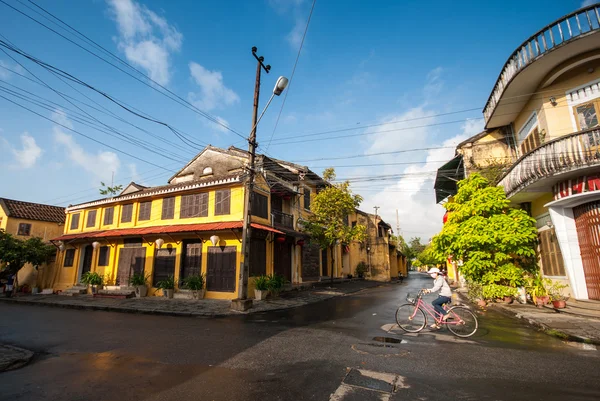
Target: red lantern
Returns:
[445, 218]
[300, 242]
[281, 240]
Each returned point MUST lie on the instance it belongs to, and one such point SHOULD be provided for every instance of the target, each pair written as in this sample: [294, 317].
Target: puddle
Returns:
[388, 340]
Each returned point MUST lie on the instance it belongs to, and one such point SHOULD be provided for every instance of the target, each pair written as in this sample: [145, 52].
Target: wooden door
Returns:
[587, 223]
[283, 260]
[192, 259]
[131, 260]
[86, 264]
[220, 275]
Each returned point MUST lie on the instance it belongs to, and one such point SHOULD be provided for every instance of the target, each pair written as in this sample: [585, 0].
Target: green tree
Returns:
[496, 243]
[328, 223]
[107, 190]
[428, 257]
[15, 253]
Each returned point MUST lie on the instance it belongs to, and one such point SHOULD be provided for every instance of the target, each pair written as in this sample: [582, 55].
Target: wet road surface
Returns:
[323, 351]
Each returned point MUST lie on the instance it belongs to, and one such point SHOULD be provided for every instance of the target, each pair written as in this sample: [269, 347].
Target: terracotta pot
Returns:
[508, 300]
[559, 304]
[481, 303]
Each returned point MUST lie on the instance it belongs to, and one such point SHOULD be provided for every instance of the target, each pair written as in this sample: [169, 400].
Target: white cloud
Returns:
[28, 155]
[283, 6]
[586, 3]
[296, 9]
[294, 38]
[5, 74]
[213, 92]
[101, 165]
[146, 39]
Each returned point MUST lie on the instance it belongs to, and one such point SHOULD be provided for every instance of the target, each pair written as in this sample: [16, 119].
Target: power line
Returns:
[173, 96]
[292, 75]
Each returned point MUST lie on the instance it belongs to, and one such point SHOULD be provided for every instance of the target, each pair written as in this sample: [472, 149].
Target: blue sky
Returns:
[362, 63]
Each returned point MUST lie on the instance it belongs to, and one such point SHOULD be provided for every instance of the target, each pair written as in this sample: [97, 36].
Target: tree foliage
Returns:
[108, 190]
[427, 257]
[496, 243]
[328, 223]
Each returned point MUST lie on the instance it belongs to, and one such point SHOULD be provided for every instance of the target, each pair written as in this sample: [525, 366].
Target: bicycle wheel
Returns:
[409, 319]
[462, 322]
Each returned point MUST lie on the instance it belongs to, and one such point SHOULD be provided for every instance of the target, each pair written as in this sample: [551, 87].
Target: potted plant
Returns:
[537, 289]
[195, 283]
[167, 286]
[261, 287]
[92, 279]
[361, 269]
[559, 301]
[138, 280]
[275, 284]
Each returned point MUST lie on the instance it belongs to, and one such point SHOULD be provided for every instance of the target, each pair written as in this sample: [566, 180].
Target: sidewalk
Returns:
[567, 325]
[196, 308]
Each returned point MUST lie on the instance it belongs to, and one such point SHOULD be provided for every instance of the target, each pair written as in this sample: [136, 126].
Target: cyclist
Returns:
[439, 284]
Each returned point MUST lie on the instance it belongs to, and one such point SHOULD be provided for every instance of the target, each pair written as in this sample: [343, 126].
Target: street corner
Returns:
[13, 357]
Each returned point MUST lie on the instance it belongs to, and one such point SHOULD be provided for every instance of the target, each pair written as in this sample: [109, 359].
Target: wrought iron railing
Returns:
[282, 219]
[567, 28]
[570, 152]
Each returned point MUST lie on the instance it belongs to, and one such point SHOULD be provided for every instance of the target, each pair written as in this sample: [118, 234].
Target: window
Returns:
[550, 255]
[164, 265]
[527, 128]
[24, 229]
[69, 257]
[222, 201]
[103, 256]
[586, 115]
[168, 208]
[127, 213]
[91, 219]
[74, 221]
[260, 205]
[531, 142]
[258, 257]
[109, 214]
[195, 205]
[307, 198]
[145, 210]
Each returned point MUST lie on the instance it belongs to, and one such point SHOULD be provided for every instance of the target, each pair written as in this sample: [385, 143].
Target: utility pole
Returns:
[376, 226]
[397, 223]
[242, 302]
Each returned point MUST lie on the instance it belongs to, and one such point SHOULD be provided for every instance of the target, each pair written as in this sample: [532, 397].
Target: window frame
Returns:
[596, 104]
[91, 219]
[170, 208]
[129, 208]
[146, 209]
[307, 194]
[75, 217]
[69, 258]
[190, 202]
[107, 214]
[225, 200]
[26, 233]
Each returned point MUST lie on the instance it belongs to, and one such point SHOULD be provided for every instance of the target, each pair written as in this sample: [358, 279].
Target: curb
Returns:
[538, 325]
[22, 358]
[155, 312]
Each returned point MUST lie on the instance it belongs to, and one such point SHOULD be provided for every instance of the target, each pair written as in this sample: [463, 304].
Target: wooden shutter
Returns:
[258, 257]
[109, 214]
[164, 265]
[222, 202]
[127, 213]
[260, 205]
[184, 211]
[69, 257]
[550, 255]
[168, 208]
[202, 204]
[307, 198]
[221, 269]
[192, 261]
[103, 256]
[74, 221]
[145, 210]
[91, 219]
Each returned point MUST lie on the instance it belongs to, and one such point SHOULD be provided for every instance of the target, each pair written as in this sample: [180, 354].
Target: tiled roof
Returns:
[33, 211]
[178, 228]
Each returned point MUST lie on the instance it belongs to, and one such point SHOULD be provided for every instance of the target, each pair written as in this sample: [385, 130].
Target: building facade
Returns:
[26, 220]
[546, 104]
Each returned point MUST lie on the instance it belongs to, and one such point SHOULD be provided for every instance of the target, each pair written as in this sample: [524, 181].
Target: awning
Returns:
[156, 230]
[447, 177]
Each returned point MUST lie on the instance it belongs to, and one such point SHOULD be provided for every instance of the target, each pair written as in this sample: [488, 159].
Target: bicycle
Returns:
[411, 317]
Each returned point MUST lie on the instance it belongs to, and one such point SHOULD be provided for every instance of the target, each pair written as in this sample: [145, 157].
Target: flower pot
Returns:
[541, 301]
[141, 291]
[94, 289]
[561, 304]
[508, 300]
[168, 293]
[260, 295]
[199, 294]
[481, 303]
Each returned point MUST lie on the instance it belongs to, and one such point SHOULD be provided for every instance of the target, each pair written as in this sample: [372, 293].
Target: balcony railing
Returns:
[569, 27]
[567, 153]
[281, 219]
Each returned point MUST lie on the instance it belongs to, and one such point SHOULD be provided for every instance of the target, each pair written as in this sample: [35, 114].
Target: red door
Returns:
[587, 222]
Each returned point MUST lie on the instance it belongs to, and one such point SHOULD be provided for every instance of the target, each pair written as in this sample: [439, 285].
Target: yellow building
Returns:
[545, 107]
[379, 252]
[194, 225]
[26, 220]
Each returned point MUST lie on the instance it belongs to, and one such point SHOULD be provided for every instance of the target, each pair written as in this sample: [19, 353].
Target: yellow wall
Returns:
[537, 205]
[236, 213]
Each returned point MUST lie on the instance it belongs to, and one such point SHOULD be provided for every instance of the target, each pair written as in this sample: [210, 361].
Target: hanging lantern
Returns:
[95, 245]
[159, 243]
[281, 240]
[215, 240]
[445, 218]
[61, 247]
[300, 242]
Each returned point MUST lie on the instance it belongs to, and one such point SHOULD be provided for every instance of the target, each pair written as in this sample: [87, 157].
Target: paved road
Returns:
[307, 353]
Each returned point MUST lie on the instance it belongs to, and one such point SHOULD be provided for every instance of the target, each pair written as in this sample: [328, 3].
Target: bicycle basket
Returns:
[410, 299]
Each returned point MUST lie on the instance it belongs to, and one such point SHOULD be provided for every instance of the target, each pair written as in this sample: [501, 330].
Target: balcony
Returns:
[541, 168]
[280, 219]
[522, 74]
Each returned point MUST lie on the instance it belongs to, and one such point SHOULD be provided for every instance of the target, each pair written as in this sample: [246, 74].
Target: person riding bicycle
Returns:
[439, 284]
